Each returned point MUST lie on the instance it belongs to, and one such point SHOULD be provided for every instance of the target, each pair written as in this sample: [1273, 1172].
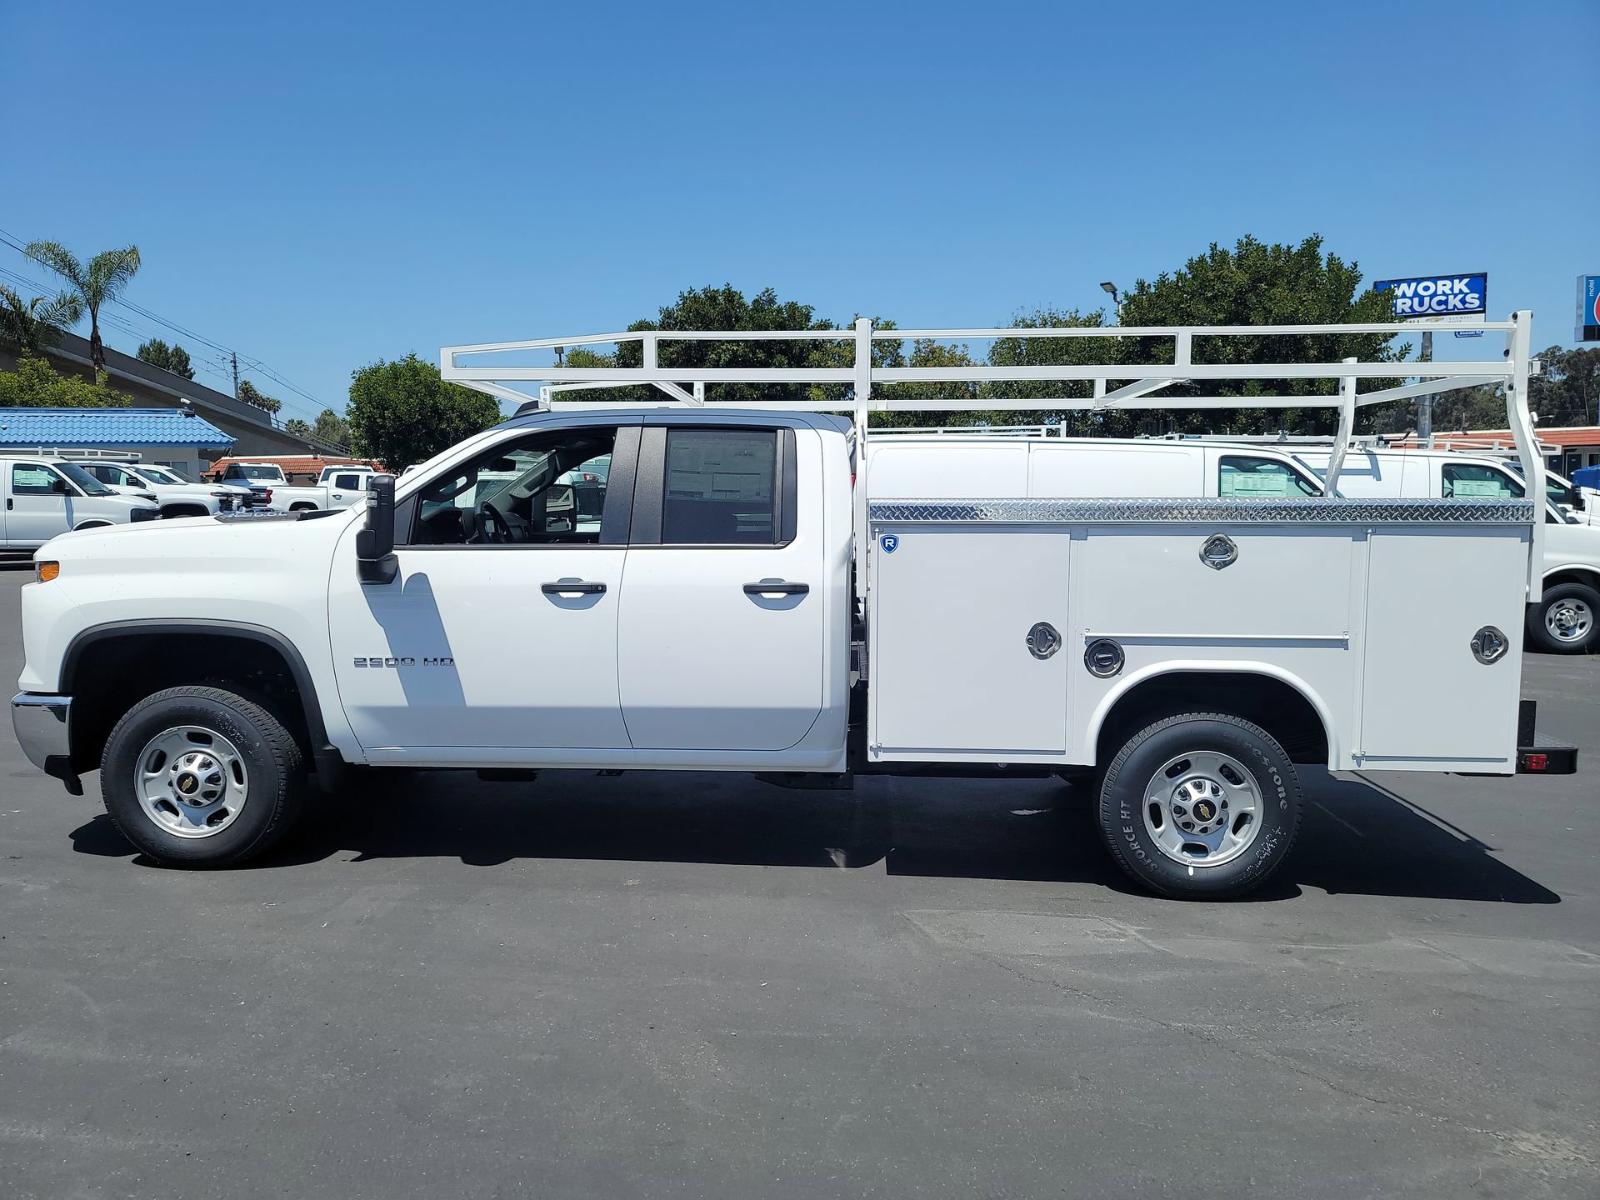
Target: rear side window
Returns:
[349, 483]
[1470, 481]
[30, 479]
[719, 487]
[1247, 477]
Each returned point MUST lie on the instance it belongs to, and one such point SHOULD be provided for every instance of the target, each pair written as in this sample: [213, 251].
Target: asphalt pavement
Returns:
[701, 985]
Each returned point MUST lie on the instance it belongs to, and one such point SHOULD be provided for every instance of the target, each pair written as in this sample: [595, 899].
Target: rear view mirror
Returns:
[60, 488]
[375, 560]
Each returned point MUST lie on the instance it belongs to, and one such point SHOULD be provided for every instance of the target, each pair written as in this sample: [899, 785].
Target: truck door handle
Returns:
[776, 587]
[572, 587]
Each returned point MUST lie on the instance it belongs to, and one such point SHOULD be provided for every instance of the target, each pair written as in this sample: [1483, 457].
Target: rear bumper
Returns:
[44, 731]
[1537, 756]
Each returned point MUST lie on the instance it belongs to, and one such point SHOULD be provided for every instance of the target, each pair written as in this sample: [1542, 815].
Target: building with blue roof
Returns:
[172, 437]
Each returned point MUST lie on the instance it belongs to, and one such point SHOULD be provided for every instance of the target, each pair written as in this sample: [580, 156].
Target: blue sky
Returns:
[323, 185]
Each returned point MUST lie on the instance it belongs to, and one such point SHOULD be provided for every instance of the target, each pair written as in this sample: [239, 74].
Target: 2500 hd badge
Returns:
[444, 661]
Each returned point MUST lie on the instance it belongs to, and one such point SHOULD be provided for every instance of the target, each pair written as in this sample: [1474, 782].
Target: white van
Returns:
[45, 497]
[1567, 619]
[973, 466]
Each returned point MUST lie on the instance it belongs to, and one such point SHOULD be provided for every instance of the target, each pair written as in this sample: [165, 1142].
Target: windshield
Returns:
[87, 482]
[161, 475]
[269, 474]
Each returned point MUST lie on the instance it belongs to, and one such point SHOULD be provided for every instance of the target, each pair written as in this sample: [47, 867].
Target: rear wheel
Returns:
[198, 776]
[1200, 805]
[1566, 620]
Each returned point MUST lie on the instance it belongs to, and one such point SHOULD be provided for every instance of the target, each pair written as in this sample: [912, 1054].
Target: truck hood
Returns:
[199, 544]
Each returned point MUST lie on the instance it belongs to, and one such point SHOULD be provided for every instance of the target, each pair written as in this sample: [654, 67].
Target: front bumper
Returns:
[44, 731]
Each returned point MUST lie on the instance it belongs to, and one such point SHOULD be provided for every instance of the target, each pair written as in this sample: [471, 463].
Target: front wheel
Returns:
[1200, 805]
[197, 776]
[1566, 620]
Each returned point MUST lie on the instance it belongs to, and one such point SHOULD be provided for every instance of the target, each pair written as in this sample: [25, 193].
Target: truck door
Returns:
[497, 640]
[346, 488]
[721, 641]
[38, 505]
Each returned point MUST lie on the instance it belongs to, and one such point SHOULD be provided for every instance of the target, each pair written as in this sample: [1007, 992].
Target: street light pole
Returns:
[1116, 298]
[1425, 403]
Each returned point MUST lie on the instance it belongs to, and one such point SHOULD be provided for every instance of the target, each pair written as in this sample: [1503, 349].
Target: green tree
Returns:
[726, 307]
[1260, 284]
[1040, 352]
[96, 282]
[1567, 390]
[36, 384]
[331, 428]
[297, 427]
[172, 358]
[32, 326]
[252, 395]
[401, 412]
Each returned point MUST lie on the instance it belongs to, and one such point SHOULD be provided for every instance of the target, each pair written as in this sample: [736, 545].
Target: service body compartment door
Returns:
[953, 676]
[1428, 703]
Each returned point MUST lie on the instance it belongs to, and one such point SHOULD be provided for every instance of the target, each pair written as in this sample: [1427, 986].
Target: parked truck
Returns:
[743, 599]
[338, 486]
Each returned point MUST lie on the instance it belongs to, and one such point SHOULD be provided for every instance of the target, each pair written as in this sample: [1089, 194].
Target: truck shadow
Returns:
[1356, 838]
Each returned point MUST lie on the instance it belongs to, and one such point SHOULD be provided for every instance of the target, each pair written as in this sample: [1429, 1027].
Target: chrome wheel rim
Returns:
[191, 782]
[1202, 808]
[1569, 619]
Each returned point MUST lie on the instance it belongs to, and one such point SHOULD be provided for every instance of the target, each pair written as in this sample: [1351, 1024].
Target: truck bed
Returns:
[1375, 612]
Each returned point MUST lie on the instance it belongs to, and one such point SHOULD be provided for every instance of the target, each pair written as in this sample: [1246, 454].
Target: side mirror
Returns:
[60, 488]
[375, 560]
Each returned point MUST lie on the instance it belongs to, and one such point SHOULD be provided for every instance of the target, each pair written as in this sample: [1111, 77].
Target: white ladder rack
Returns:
[1114, 385]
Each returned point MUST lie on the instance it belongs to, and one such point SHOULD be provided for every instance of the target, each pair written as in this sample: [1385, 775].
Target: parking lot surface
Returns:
[706, 986]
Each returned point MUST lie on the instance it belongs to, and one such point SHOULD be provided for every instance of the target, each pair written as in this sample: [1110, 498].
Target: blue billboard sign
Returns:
[1588, 308]
[1438, 295]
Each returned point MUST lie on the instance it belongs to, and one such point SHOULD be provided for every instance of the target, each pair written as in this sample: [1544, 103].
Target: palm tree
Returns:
[30, 326]
[102, 279]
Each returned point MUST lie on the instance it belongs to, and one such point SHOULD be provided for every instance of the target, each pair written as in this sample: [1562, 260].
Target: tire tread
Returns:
[1130, 747]
[280, 743]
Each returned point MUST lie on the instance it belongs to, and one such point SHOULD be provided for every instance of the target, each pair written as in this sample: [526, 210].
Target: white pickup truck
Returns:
[745, 601]
[338, 486]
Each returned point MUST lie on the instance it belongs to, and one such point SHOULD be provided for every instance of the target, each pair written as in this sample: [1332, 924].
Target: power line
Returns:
[227, 352]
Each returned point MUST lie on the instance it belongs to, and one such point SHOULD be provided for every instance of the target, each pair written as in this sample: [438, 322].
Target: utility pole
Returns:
[1425, 403]
[234, 355]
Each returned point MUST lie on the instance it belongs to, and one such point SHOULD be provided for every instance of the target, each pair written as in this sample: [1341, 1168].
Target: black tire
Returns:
[1572, 595]
[272, 760]
[1122, 800]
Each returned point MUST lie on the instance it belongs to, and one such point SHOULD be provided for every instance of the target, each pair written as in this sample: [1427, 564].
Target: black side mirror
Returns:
[375, 560]
[60, 488]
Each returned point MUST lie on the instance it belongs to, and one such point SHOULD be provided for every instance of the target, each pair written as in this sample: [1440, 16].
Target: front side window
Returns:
[1261, 478]
[719, 487]
[32, 479]
[1473, 481]
[541, 490]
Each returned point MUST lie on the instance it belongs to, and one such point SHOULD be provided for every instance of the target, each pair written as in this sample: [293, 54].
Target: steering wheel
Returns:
[492, 524]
